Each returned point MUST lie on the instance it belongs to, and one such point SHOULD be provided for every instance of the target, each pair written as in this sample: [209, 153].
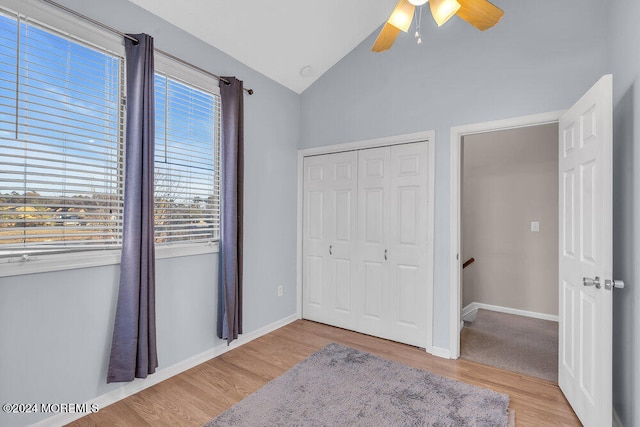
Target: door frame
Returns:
[424, 136]
[455, 181]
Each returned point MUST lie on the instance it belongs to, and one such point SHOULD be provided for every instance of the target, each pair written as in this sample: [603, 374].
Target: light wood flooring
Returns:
[194, 397]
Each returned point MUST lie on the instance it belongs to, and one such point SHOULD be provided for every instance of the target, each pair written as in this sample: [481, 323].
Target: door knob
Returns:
[608, 284]
[587, 281]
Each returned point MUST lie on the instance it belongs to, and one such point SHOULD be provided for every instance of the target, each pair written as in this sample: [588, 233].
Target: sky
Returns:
[61, 133]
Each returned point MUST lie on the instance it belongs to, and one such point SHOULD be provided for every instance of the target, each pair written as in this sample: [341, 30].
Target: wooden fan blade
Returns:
[386, 38]
[480, 13]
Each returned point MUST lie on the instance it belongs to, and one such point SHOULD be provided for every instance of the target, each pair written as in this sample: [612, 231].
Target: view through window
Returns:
[62, 153]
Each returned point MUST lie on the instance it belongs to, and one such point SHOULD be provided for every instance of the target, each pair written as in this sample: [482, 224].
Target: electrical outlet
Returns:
[280, 290]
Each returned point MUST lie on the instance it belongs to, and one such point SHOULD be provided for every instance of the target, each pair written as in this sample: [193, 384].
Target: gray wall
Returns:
[541, 57]
[56, 327]
[624, 62]
[510, 178]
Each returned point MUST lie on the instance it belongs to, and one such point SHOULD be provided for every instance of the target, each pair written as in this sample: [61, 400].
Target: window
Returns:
[187, 167]
[61, 145]
[62, 124]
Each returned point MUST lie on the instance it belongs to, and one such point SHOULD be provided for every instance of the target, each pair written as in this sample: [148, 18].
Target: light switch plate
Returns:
[535, 226]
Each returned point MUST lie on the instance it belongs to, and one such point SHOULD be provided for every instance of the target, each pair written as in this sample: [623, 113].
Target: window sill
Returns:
[76, 260]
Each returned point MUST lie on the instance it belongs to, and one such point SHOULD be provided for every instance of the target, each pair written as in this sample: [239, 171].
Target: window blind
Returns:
[61, 141]
[187, 166]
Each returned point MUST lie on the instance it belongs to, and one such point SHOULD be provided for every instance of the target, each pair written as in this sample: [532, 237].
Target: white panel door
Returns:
[408, 246]
[329, 229]
[393, 228]
[585, 351]
[374, 198]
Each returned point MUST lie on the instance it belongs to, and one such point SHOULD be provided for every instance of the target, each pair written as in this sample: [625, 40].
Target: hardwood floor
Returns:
[194, 397]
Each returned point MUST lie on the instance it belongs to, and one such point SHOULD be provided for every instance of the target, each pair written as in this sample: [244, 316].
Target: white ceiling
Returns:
[278, 38]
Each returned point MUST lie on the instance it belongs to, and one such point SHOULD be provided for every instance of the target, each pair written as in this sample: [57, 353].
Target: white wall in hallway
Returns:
[509, 180]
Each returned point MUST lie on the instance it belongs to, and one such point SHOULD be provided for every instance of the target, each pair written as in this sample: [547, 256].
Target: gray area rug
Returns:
[515, 343]
[339, 386]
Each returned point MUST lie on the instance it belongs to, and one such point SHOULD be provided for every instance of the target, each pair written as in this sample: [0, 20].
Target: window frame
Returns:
[31, 110]
[49, 17]
[194, 78]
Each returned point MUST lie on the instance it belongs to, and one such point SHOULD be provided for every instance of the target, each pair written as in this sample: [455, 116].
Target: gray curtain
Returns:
[230, 255]
[133, 347]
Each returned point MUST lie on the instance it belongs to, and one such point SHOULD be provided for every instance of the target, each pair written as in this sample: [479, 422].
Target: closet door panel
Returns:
[329, 233]
[315, 212]
[408, 244]
[373, 231]
[343, 235]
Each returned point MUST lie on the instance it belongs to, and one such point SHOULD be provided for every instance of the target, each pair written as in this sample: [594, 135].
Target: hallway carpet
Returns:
[515, 343]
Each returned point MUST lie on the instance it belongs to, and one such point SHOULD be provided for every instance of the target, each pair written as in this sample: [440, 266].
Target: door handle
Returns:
[330, 249]
[385, 254]
[587, 281]
[609, 284]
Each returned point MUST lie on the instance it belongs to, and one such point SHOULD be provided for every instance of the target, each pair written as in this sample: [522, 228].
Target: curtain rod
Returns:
[136, 41]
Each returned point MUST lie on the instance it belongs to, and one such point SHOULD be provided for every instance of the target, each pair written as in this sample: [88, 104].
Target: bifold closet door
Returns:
[329, 233]
[393, 236]
[367, 242]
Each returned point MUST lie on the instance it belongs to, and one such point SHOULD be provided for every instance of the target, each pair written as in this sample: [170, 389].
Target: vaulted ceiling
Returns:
[290, 41]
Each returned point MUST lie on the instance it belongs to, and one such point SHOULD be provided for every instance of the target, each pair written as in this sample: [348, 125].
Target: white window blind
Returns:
[61, 141]
[187, 166]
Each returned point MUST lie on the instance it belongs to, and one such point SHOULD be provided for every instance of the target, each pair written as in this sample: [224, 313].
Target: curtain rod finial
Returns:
[250, 91]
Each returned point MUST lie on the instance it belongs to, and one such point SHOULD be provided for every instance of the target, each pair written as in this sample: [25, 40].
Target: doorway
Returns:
[509, 215]
[458, 134]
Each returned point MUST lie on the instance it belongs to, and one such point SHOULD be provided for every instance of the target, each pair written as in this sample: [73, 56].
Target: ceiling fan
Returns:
[479, 13]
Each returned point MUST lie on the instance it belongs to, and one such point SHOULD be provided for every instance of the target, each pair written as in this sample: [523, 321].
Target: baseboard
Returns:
[137, 385]
[616, 420]
[470, 310]
[440, 352]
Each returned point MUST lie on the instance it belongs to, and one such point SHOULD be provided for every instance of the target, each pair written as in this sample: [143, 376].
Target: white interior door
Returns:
[585, 352]
[330, 207]
[394, 233]
[373, 233]
[408, 246]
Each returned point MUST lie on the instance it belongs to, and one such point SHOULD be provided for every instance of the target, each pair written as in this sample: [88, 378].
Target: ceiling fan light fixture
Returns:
[417, 2]
[443, 10]
[402, 15]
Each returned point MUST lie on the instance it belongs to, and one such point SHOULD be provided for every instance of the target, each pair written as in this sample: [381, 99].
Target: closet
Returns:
[367, 245]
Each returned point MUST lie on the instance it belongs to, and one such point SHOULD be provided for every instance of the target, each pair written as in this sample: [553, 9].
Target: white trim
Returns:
[476, 305]
[455, 265]
[60, 21]
[186, 249]
[466, 311]
[166, 373]
[299, 234]
[45, 263]
[440, 352]
[185, 74]
[369, 143]
[424, 136]
[617, 422]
